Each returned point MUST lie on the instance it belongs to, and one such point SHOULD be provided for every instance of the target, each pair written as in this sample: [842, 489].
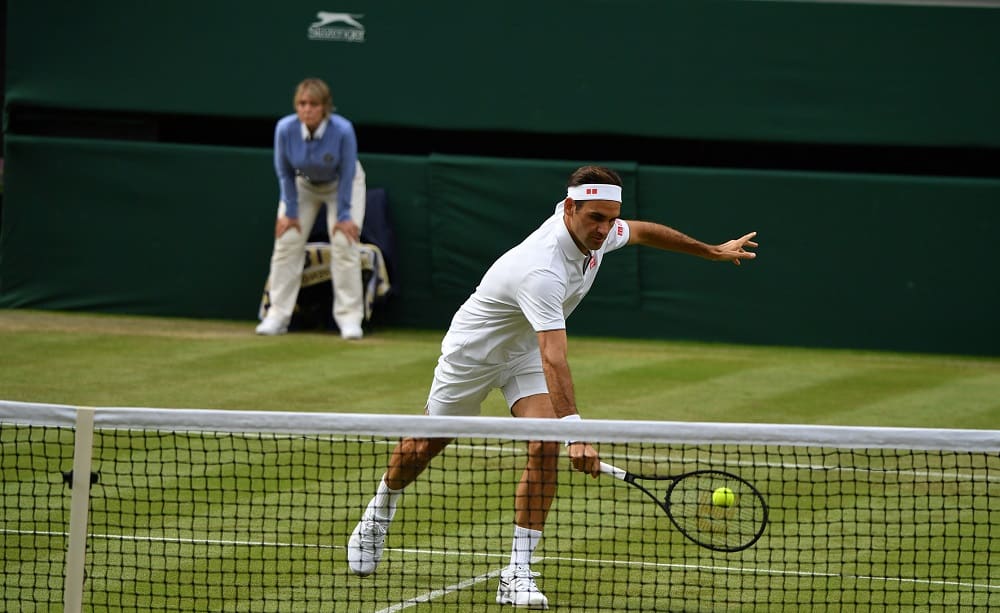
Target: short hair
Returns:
[314, 88]
[594, 174]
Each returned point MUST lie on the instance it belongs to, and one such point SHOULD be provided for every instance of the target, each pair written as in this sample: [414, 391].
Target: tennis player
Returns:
[511, 334]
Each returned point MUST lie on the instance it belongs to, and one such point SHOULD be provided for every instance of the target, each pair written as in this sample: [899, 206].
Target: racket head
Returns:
[718, 527]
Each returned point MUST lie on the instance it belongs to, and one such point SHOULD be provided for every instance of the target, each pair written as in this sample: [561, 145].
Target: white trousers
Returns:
[289, 253]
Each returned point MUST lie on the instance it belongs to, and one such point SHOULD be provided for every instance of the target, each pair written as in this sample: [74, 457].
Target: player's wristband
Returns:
[573, 417]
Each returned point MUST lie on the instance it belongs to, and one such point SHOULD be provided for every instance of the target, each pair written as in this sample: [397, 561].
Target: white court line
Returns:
[433, 594]
[957, 475]
[770, 571]
[429, 596]
[469, 554]
[519, 450]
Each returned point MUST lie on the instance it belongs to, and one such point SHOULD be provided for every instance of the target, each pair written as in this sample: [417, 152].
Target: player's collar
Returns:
[566, 242]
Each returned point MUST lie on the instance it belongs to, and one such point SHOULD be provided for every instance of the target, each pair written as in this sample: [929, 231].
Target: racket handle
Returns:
[615, 472]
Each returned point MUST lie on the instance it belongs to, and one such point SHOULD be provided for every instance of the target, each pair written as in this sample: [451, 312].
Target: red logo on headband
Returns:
[591, 191]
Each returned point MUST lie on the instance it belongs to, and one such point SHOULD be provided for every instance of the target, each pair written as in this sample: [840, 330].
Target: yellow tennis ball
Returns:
[723, 497]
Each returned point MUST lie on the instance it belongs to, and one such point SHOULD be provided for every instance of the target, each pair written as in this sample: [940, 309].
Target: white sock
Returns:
[525, 541]
[383, 505]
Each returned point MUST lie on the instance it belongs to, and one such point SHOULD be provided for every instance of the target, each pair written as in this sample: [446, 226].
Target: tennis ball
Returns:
[723, 497]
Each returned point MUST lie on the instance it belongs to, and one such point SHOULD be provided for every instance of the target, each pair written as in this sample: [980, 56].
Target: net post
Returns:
[79, 509]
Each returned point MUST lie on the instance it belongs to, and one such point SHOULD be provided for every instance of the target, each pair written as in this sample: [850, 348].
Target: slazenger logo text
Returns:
[339, 27]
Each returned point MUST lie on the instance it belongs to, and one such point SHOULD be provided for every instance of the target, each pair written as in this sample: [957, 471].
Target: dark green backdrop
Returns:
[845, 260]
[707, 69]
[895, 262]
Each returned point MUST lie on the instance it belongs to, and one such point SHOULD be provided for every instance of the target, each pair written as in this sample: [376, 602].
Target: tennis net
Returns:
[117, 509]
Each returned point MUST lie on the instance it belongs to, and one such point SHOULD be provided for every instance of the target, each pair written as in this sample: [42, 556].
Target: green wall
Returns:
[869, 261]
[845, 260]
[135, 228]
[699, 69]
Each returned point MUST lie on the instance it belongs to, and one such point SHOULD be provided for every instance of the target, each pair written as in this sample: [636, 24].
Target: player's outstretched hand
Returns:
[737, 250]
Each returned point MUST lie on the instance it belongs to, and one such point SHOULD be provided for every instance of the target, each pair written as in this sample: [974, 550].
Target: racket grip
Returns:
[614, 471]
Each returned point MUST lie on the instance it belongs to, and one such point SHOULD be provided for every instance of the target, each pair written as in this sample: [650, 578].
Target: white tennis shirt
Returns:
[533, 287]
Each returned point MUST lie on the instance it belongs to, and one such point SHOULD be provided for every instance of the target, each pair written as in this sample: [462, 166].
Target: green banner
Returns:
[808, 72]
[861, 261]
[136, 228]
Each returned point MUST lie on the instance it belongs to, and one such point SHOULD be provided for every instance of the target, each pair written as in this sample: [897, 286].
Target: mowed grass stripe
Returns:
[845, 399]
[970, 396]
[134, 361]
[735, 392]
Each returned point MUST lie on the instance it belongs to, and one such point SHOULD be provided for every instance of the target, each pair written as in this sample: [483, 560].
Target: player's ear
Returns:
[568, 206]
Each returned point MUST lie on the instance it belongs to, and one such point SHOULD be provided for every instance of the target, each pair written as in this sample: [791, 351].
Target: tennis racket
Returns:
[732, 522]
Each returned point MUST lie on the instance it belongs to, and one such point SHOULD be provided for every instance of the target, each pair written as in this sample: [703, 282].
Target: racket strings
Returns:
[721, 524]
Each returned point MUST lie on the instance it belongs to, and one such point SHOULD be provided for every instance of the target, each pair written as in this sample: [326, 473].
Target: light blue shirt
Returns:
[331, 154]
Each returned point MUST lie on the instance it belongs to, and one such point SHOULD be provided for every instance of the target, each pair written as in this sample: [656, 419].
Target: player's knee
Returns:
[420, 451]
[544, 452]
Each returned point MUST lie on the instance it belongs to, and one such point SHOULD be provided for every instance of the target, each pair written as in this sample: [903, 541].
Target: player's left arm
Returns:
[666, 238]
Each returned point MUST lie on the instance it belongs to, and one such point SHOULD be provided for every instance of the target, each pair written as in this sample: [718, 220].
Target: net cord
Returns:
[611, 431]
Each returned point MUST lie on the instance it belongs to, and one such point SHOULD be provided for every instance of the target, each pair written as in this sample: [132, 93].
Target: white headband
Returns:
[595, 191]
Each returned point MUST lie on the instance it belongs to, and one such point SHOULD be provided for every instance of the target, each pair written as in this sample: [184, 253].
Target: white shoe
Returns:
[517, 587]
[272, 326]
[351, 333]
[364, 550]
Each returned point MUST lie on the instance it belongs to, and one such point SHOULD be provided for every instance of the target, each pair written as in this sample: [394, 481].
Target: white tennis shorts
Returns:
[459, 389]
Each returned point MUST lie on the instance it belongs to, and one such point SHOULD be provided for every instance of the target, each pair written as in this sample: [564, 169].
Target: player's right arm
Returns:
[555, 364]
[553, 346]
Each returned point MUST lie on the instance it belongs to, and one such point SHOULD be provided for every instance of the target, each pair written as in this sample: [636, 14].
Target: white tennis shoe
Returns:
[364, 550]
[351, 332]
[517, 587]
[272, 326]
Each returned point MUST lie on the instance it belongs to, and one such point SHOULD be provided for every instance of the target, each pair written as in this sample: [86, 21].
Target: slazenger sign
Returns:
[337, 27]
